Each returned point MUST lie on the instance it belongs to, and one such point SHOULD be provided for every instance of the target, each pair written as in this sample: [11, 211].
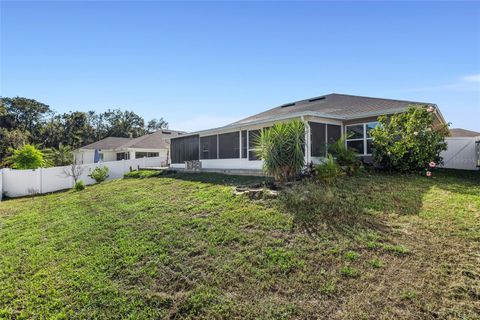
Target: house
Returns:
[326, 119]
[463, 133]
[156, 144]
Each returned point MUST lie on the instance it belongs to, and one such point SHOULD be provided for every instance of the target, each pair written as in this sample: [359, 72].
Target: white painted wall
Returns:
[461, 153]
[18, 183]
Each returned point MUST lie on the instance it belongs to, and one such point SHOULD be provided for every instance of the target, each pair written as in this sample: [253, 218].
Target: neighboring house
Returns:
[463, 133]
[156, 144]
[326, 119]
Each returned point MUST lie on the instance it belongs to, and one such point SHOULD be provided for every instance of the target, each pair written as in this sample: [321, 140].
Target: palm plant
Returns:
[345, 156]
[63, 156]
[282, 149]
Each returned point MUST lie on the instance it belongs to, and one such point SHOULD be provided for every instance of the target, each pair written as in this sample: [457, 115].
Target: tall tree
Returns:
[124, 123]
[156, 124]
[26, 114]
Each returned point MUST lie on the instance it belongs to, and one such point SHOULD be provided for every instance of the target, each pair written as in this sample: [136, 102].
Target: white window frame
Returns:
[364, 139]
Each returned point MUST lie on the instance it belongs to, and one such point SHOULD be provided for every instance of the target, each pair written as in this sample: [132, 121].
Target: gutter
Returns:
[260, 121]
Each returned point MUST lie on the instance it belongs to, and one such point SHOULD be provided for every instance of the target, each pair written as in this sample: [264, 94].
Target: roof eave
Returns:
[261, 121]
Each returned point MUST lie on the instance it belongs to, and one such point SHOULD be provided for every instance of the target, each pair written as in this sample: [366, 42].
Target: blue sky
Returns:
[205, 64]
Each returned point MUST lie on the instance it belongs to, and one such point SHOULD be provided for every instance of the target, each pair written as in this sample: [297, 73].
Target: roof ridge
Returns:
[368, 97]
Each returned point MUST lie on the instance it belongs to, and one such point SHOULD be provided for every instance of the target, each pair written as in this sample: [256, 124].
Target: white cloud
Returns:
[472, 78]
[201, 122]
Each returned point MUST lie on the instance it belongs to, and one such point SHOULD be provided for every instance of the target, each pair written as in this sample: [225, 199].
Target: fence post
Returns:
[144, 162]
[1, 184]
[40, 178]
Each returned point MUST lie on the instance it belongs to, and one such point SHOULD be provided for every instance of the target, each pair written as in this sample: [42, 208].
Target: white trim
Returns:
[364, 139]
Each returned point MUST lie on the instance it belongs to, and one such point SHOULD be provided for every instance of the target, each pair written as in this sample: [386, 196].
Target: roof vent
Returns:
[288, 105]
[316, 99]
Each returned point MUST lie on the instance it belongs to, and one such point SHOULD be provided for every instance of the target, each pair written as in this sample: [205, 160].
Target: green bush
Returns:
[79, 185]
[346, 157]
[99, 174]
[26, 157]
[328, 171]
[281, 148]
[409, 141]
[142, 174]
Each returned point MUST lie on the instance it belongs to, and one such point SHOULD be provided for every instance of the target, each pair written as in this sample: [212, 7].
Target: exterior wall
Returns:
[84, 156]
[461, 153]
[244, 163]
[88, 156]
[109, 155]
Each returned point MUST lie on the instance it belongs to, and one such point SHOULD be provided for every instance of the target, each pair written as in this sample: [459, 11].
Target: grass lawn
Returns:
[183, 246]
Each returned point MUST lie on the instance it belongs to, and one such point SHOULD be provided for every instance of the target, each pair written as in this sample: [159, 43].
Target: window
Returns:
[185, 149]
[208, 147]
[229, 145]
[358, 137]
[123, 156]
[100, 156]
[146, 154]
[318, 134]
[322, 136]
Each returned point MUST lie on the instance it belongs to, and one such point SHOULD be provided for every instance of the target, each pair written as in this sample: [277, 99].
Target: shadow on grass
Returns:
[215, 178]
[458, 181]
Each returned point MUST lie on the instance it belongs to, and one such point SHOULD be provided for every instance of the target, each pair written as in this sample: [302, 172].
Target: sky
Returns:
[201, 65]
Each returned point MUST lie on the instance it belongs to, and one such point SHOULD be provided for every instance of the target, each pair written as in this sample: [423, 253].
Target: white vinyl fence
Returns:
[462, 153]
[18, 183]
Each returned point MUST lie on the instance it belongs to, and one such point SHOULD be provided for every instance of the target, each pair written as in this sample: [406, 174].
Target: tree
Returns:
[408, 141]
[124, 124]
[63, 156]
[156, 124]
[26, 114]
[27, 157]
[74, 171]
[11, 140]
[282, 149]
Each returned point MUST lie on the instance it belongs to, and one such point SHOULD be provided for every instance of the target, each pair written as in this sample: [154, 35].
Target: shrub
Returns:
[327, 171]
[27, 157]
[99, 174]
[408, 141]
[281, 148]
[345, 156]
[79, 185]
[142, 174]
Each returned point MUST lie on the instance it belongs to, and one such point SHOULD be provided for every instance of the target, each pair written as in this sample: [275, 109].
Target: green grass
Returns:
[184, 246]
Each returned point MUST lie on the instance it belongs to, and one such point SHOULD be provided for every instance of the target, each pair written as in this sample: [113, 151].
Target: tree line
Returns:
[27, 121]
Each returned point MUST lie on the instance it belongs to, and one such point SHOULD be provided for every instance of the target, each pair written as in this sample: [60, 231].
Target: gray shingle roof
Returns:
[458, 132]
[156, 140]
[337, 106]
[107, 143]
